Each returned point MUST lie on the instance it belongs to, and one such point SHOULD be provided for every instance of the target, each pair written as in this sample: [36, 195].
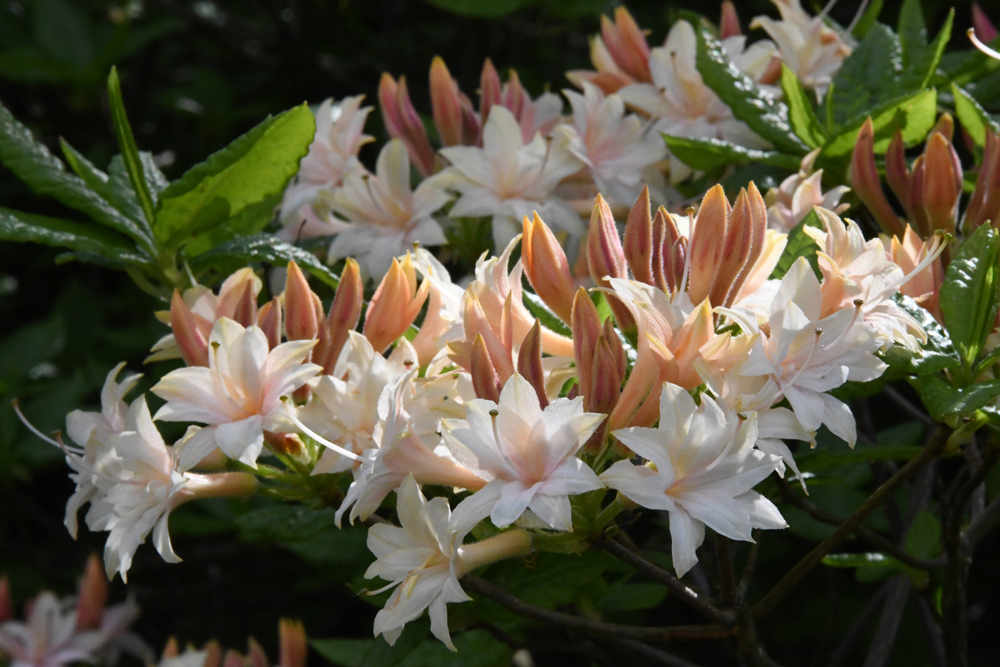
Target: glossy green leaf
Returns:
[127, 146]
[251, 220]
[972, 116]
[123, 199]
[79, 237]
[264, 248]
[705, 154]
[913, 115]
[942, 399]
[799, 245]
[921, 64]
[869, 77]
[937, 353]
[44, 173]
[252, 168]
[762, 114]
[800, 110]
[970, 293]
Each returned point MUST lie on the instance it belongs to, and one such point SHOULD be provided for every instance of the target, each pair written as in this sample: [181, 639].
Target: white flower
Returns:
[332, 153]
[239, 394]
[617, 148]
[702, 469]
[384, 215]
[443, 322]
[508, 179]
[528, 453]
[809, 48]
[49, 637]
[420, 559]
[795, 198]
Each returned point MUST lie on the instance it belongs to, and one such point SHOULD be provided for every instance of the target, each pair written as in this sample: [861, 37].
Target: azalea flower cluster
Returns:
[513, 155]
[673, 375]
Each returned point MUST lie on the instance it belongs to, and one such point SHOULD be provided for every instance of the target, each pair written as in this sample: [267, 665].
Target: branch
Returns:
[676, 586]
[652, 653]
[981, 526]
[868, 535]
[522, 608]
[873, 502]
[884, 640]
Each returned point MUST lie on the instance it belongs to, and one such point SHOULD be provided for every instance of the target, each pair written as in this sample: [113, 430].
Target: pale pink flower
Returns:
[795, 198]
[702, 467]
[49, 636]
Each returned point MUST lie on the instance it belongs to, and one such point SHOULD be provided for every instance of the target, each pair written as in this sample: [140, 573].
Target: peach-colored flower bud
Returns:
[345, 311]
[605, 381]
[301, 317]
[92, 595]
[484, 376]
[729, 21]
[605, 256]
[269, 321]
[866, 183]
[190, 341]
[171, 649]
[985, 201]
[490, 89]
[446, 105]
[896, 171]
[547, 268]
[529, 363]
[915, 204]
[213, 654]
[402, 122]
[255, 654]
[395, 305]
[942, 183]
[291, 643]
[472, 126]
[245, 311]
[985, 29]
[233, 293]
[289, 444]
[945, 125]
[707, 244]
[626, 43]
[662, 245]
[586, 326]
[735, 251]
[476, 324]
[6, 604]
[758, 235]
[233, 659]
[638, 242]
[514, 96]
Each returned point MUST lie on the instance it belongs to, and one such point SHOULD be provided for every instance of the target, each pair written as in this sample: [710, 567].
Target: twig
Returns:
[660, 634]
[873, 502]
[868, 535]
[676, 586]
[981, 526]
[930, 630]
[908, 407]
[888, 623]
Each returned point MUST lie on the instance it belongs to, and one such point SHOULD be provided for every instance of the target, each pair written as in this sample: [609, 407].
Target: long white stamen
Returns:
[971, 32]
[31, 427]
[315, 436]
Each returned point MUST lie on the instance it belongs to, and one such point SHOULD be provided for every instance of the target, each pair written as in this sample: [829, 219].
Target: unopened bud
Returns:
[490, 90]
[627, 44]
[301, 318]
[288, 444]
[707, 238]
[729, 21]
[245, 311]
[269, 321]
[915, 205]
[190, 341]
[605, 381]
[345, 311]
[446, 106]
[403, 122]
[546, 266]
[605, 257]
[896, 171]
[233, 659]
[586, 326]
[638, 243]
[529, 362]
[484, 375]
[866, 183]
[985, 29]
[985, 201]
[942, 183]
[171, 649]
[213, 654]
[736, 249]
[291, 643]
[6, 603]
[256, 657]
[395, 305]
[93, 594]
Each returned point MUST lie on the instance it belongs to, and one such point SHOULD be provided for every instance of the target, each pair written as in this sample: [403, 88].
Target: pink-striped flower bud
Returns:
[638, 242]
[490, 90]
[92, 595]
[245, 311]
[942, 183]
[345, 311]
[985, 201]
[403, 122]
[269, 320]
[303, 310]
[547, 268]
[735, 250]
[395, 305]
[605, 256]
[292, 646]
[255, 654]
[190, 341]
[529, 363]
[605, 380]
[985, 29]
[586, 326]
[485, 380]
[446, 104]
[729, 21]
[6, 603]
[866, 183]
[707, 235]
[915, 204]
[626, 43]
[616, 347]
[897, 173]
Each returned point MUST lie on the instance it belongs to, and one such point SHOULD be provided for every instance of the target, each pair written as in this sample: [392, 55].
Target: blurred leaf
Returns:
[80, 237]
[284, 523]
[870, 567]
[630, 597]
[126, 144]
[705, 154]
[867, 19]
[924, 538]
[343, 652]
[476, 648]
[554, 579]
[831, 458]
[380, 654]
[480, 9]
[799, 245]
[800, 110]
[537, 308]
[32, 162]
[973, 117]
[913, 115]
[254, 167]
[970, 293]
[264, 248]
[64, 32]
[763, 114]
[920, 64]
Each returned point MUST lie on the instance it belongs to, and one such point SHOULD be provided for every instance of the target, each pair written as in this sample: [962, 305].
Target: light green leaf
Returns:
[705, 154]
[914, 115]
[44, 173]
[799, 245]
[126, 144]
[264, 248]
[26, 227]
[763, 114]
[971, 291]
[800, 110]
[252, 168]
[972, 116]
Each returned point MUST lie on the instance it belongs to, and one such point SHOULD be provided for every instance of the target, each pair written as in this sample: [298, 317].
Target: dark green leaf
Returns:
[763, 114]
[943, 399]
[923, 63]
[705, 154]
[912, 31]
[555, 578]
[479, 9]
[32, 162]
[867, 19]
[123, 199]
[285, 523]
[972, 116]
[537, 307]
[264, 248]
[64, 32]
[824, 460]
[252, 168]
[937, 354]
[80, 237]
[380, 654]
[799, 245]
[869, 77]
[971, 291]
[869, 567]
[629, 597]
[343, 652]
[924, 538]
[913, 115]
[126, 144]
[800, 110]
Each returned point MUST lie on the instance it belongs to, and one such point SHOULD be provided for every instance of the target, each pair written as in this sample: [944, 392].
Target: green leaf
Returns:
[252, 168]
[126, 144]
[630, 597]
[479, 9]
[264, 248]
[285, 523]
[763, 114]
[123, 199]
[380, 654]
[937, 354]
[942, 399]
[554, 580]
[800, 110]
[537, 308]
[970, 293]
[343, 652]
[251, 220]
[799, 245]
[80, 237]
[870, 76]
[924, 539]
[912, 31]
[867, 19]
[972, 116]
[914, 115]
[44, 173]
[705, 154]
[923, 62]
[869, 567]
[64, 32]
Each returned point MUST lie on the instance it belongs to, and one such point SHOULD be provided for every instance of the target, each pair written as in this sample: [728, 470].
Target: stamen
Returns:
[315, 436]
[971, 32]
[31, 427]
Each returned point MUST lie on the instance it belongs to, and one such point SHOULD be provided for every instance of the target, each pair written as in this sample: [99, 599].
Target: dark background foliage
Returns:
[195, 75]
